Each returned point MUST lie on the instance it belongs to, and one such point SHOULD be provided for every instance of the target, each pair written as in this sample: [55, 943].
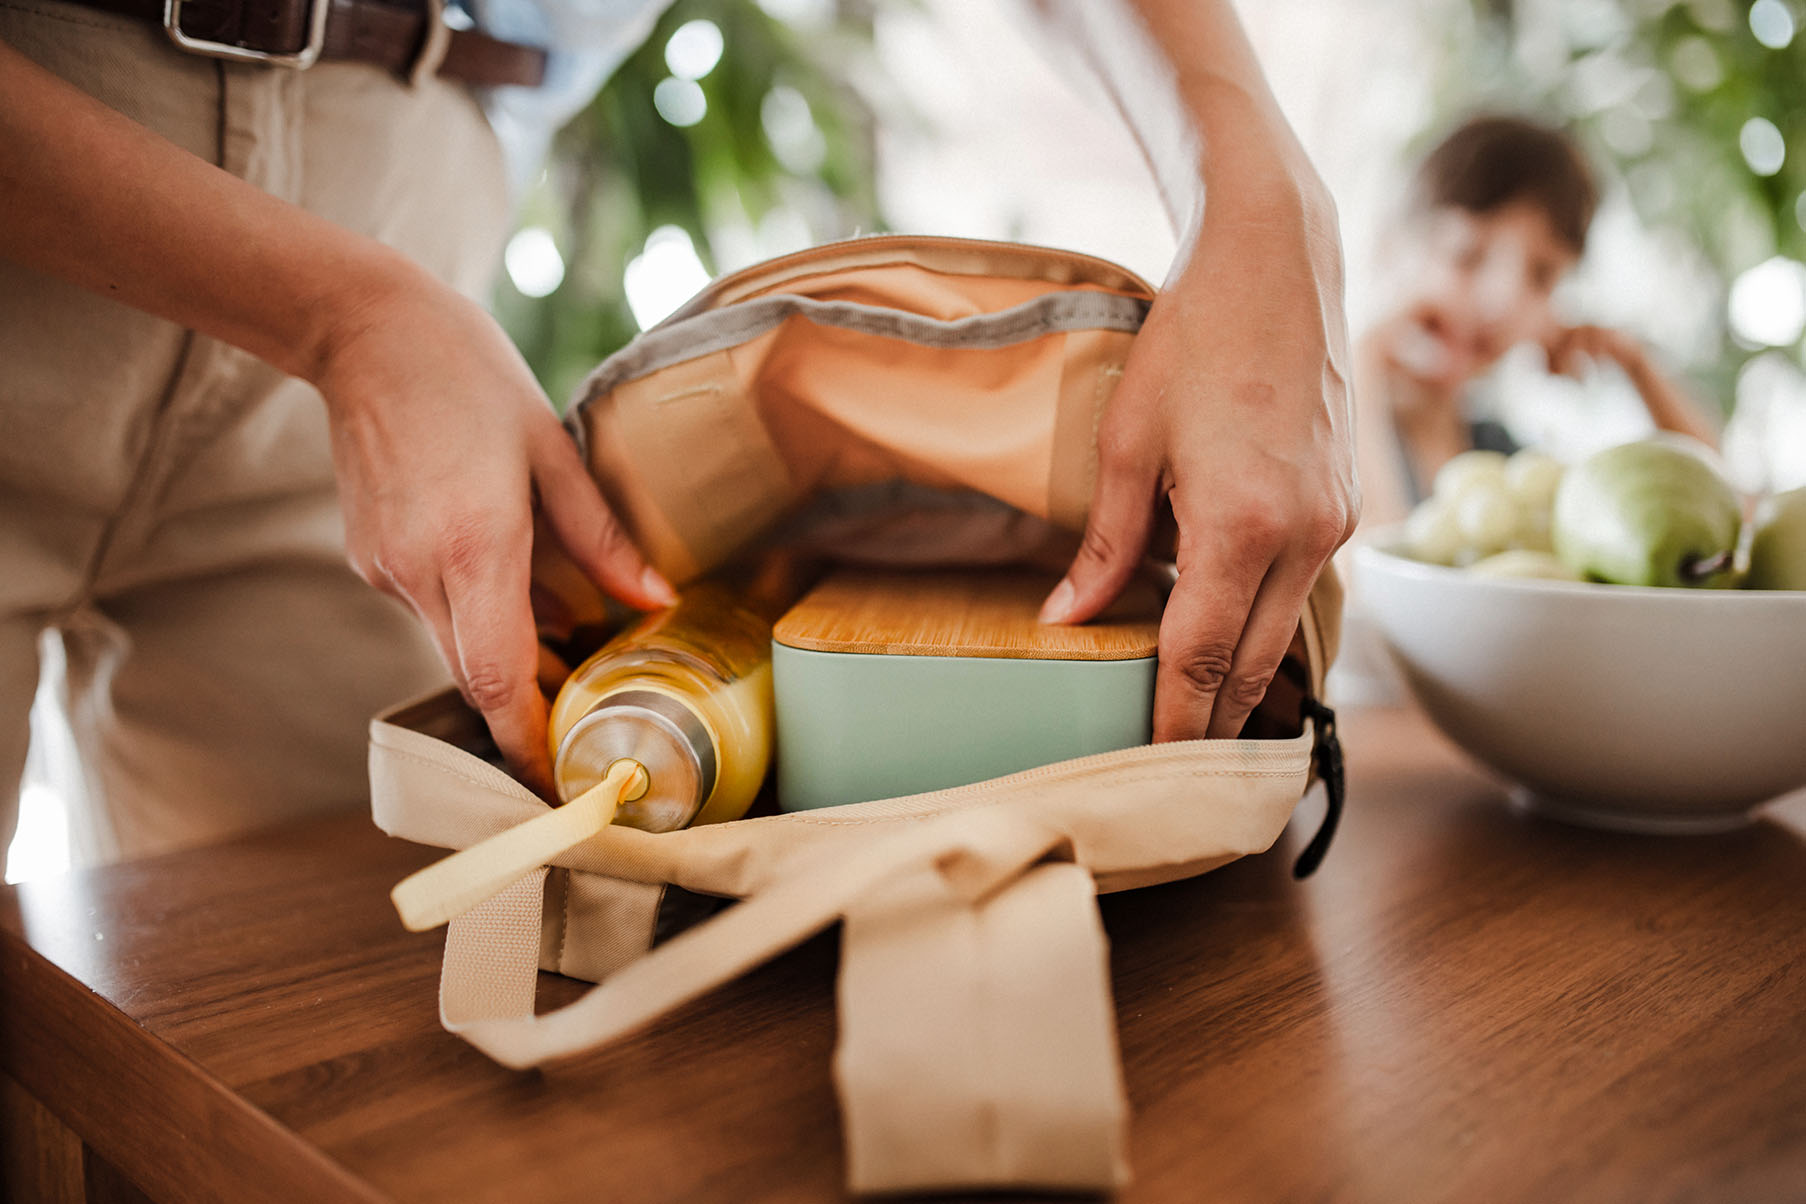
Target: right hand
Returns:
[1233, 412]
[444, 444]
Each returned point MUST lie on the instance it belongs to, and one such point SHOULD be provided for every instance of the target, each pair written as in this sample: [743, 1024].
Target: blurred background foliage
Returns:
[1695, 109]
[733, 134]
[744, 129]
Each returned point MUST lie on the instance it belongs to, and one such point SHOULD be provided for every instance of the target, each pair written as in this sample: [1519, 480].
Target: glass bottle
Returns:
[687, 693]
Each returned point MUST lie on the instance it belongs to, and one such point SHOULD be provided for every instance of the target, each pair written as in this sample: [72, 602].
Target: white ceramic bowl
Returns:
[1648, 710]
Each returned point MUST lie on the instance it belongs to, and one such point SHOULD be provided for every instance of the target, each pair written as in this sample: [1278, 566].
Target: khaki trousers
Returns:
[167, 502]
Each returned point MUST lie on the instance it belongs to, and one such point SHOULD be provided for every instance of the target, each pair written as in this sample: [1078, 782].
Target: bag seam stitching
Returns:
[564, 919]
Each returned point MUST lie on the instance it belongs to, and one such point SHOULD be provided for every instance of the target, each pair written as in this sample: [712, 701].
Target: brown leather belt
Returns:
[295, 33]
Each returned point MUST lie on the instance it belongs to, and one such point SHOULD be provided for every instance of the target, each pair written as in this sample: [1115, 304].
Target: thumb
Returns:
[1116, 535]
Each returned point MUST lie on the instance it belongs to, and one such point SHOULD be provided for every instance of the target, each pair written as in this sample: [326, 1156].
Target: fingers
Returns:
[1116, 533]
[1271, 624]
[410, 579]
[469, 580]
[1198, 635]
[476, 604]
[1573, 350]
[1560, 347]
[1245, 571]
[573, 508]
[486, 570]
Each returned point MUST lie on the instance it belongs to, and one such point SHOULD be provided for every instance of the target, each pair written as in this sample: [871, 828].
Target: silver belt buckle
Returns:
[304, 57]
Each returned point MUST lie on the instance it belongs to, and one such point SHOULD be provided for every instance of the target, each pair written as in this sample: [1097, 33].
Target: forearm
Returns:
[94, 198]
[1233, 406]
[1670, 408]
[1186, 79]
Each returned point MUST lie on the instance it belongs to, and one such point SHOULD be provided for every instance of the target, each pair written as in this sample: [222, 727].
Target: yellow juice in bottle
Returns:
[687, 693]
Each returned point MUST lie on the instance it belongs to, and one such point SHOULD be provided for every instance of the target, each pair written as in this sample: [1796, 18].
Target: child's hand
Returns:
[1574, 350]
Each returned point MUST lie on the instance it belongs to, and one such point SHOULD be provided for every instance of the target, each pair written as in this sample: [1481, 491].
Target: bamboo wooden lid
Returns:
[970, 612]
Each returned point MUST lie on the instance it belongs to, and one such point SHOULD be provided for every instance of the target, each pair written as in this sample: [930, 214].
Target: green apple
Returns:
[1487, 518]
[1467, 470]
[1778, 548]
[1522, 562]
[1533, 477]
[1432, 533]
[1647, 513]
[1533, 531]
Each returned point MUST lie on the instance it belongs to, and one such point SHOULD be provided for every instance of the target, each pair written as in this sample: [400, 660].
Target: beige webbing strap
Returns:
[975, 857]
[978, 1039]
[494, 951]
[492, 956]
[1027, 947]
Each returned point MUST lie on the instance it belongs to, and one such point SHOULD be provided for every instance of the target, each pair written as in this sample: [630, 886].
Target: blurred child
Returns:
[1498, 215]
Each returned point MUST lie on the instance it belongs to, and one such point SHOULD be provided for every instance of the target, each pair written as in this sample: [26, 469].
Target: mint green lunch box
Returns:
[897, 683]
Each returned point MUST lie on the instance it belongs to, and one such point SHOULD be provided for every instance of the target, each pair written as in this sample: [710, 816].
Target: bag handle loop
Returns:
[974, 998]
[975, 857]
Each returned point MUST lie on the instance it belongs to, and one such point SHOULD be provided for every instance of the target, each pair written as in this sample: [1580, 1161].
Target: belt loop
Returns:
[433, 46]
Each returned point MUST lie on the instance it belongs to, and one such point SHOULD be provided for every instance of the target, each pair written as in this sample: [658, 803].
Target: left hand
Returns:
[1233, 408]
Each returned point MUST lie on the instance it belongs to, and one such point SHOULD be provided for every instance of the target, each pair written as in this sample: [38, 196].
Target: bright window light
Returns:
[663, 276]
[1763, 147]
[1768, 303]
[694, 49]
[40, 846]
[533, 262]
[680, 101]
[1772, 23]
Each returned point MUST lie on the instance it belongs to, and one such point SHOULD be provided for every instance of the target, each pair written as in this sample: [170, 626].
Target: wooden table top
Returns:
[1464, 1004]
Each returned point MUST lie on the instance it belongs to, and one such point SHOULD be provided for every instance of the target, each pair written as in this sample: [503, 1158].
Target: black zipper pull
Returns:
[1328, 756]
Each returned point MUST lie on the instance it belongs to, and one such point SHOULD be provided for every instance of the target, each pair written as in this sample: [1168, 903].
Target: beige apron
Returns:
[168, 502]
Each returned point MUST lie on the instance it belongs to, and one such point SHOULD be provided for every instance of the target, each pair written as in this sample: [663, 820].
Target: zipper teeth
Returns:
[829, 250]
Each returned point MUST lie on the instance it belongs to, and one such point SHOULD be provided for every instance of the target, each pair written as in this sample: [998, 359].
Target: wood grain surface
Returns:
[1465, 1004]
[983, 614]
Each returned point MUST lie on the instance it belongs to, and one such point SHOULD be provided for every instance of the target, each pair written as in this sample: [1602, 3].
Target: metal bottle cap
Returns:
[660, 732]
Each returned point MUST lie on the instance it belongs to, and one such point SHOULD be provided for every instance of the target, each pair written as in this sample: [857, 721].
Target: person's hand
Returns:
[1234, 408]
[1573, 350]
[444, 445]
[442, 441]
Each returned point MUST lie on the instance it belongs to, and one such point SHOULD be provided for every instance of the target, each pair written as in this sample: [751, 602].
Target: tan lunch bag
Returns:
[905, 400]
